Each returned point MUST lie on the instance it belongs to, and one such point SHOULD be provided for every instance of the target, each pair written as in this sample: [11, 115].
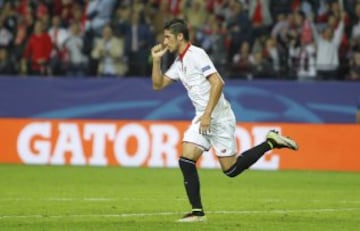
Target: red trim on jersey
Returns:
[182, 54]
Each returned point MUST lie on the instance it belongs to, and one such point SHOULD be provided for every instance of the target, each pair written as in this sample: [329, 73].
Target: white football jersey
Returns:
[192, 68]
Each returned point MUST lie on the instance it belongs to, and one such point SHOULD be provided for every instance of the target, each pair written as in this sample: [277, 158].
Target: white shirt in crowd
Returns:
[58, 36]
[305, 60]
[327, 55]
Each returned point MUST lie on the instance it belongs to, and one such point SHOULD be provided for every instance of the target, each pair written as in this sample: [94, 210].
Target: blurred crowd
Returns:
[246, 39]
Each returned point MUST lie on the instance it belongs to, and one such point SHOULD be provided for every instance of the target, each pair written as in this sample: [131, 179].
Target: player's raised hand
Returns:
[158, 51]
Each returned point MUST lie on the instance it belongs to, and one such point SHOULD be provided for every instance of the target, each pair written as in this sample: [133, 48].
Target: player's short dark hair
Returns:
[177, 26]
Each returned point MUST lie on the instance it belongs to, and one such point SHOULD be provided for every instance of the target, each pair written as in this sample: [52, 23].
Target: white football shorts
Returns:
[221, 138]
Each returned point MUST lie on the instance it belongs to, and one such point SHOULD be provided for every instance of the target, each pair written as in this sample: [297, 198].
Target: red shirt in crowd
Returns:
[38, 48]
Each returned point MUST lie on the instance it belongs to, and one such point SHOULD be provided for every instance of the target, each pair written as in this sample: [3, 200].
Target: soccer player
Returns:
[214, 122]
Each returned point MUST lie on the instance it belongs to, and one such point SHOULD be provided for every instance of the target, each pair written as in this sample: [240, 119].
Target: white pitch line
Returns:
[311, 201]
[152, 199]
[88, 199]
[59, 199]
[324, 210]
[276, 211]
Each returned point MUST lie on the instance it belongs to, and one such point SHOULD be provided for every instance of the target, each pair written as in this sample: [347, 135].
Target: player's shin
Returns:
[191, 182]
[248, 158]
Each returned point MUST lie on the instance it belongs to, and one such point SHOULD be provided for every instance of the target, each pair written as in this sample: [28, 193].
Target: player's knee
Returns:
[186, 163]
[233, 172]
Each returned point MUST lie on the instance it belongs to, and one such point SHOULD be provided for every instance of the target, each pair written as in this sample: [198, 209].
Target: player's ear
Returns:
[180, 36]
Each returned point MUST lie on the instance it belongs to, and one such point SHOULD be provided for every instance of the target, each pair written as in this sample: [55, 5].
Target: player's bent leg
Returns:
[187, 163]
[246, 159]
[249, 157]
[227, 162]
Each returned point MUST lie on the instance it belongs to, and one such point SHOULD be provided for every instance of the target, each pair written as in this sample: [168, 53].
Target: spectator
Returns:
[74, 45]
[327, 55]
[280, 27]
[337, 10]
[302, 50]
[20, 38]
[355, 66]
[299, 21]
[158, 13]
[261, 67]
[308, 7]
[137, 7]
[239, 27]
[42, 14]
[78, 16]
[58, 36]
[283, 33]
[6, 37]
[121, 20]
[284, 7]
[7, 67]
[109, 51]
[344, 47]
[355, 33]
[194, 12]
[213, 41]
[99, 13]
[302, 58]
[64, 10]
[9, 17]
[175, 7]
[37, 52]
[271, 53]
[241, 65]
[138, 38]
[260, 16]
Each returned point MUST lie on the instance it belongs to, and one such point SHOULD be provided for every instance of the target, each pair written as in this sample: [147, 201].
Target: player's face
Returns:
[171, 41]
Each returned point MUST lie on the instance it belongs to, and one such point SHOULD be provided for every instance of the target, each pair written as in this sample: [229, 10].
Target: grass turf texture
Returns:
[114, 198]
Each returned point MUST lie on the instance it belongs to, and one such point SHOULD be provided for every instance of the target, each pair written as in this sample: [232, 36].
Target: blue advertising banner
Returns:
[133, 98]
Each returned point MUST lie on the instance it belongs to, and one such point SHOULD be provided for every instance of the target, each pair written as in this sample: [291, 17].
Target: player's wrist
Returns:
[157, 60]
[207, 114]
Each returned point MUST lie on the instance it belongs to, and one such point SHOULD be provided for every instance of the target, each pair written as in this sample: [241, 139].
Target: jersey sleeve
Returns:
[172, 72]
[205, 64]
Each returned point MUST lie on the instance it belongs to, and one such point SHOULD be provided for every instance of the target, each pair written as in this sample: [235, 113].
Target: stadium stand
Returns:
[262, 39]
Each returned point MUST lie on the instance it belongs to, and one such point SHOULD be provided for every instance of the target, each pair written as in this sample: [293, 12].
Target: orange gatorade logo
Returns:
[158, 144]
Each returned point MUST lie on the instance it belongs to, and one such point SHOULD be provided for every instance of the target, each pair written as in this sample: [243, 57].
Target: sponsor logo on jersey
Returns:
[205, 68]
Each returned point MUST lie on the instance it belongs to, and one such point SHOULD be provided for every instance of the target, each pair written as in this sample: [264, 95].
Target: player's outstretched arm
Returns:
[158, 80]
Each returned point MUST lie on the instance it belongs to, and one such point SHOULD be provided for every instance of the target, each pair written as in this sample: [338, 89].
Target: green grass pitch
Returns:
[115, 198]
